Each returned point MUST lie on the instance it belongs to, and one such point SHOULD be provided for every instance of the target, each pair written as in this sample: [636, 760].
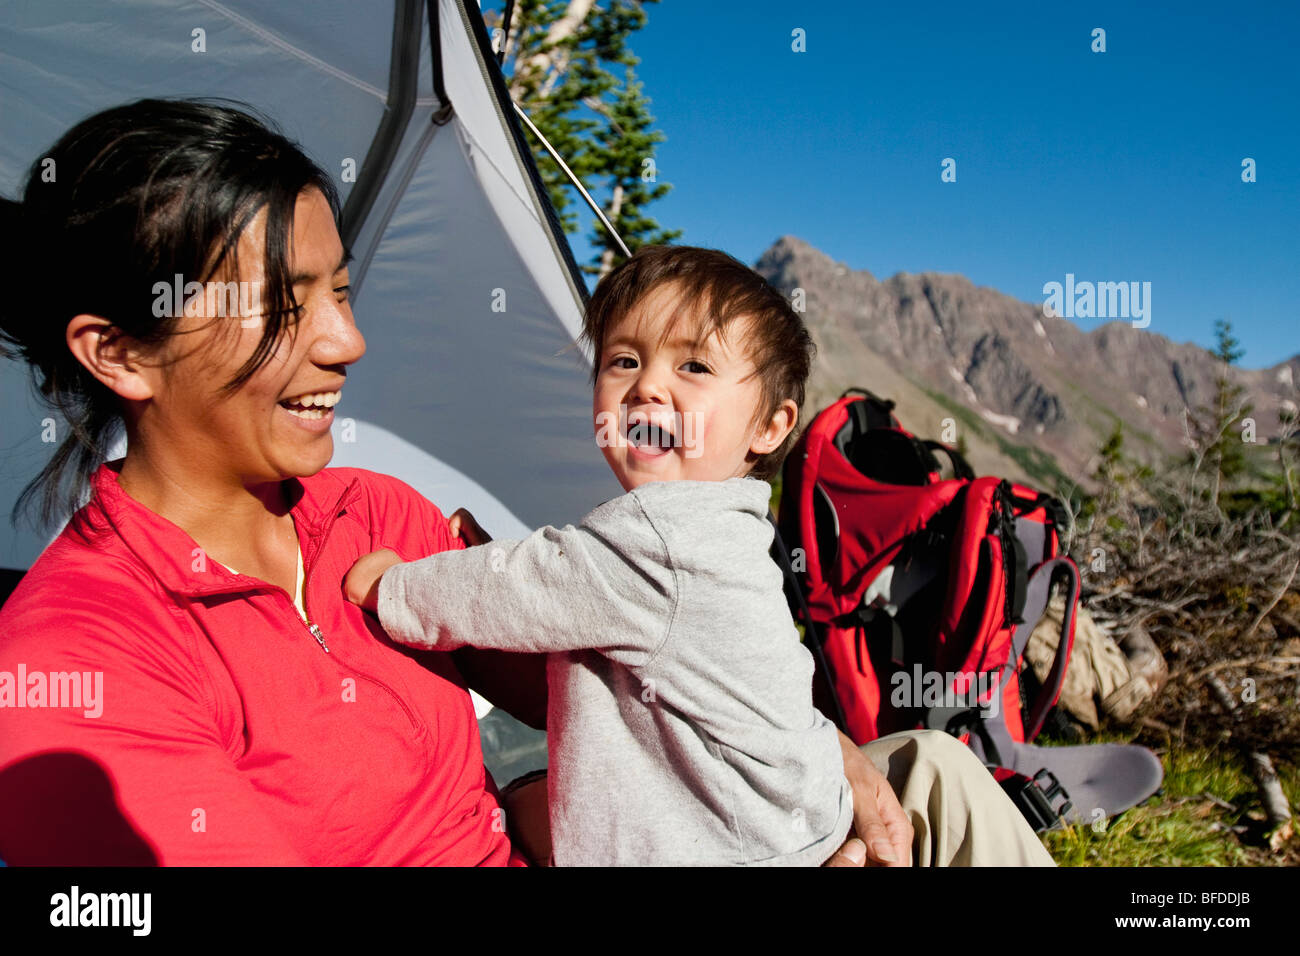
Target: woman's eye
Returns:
[698, 367]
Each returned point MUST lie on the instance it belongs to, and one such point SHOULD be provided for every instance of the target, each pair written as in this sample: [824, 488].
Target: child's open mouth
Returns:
[649, 440]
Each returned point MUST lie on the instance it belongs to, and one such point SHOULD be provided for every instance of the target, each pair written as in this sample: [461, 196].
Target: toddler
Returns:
[681, 729]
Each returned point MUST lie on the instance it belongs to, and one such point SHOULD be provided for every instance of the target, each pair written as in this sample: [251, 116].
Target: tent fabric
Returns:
[472, 388]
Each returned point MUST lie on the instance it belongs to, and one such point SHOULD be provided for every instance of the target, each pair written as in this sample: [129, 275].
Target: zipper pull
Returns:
[320, 638]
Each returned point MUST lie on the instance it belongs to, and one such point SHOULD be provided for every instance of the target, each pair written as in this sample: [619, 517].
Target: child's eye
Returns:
[623, 361]
[697, 367]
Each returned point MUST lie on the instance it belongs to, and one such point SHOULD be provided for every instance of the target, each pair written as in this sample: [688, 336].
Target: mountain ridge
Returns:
[1021, 384]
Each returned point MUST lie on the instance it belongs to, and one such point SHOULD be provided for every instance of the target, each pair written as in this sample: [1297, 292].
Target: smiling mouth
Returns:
[649, 436]
[313, 405]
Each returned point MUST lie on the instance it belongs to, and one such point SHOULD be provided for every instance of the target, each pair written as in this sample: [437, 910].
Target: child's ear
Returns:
[770, 434]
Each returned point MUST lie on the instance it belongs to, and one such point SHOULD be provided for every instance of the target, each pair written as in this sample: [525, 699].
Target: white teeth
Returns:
[311, 413]
[318, 399]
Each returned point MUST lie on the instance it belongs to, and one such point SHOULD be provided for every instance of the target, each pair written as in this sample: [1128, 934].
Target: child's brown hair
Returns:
[715, 289]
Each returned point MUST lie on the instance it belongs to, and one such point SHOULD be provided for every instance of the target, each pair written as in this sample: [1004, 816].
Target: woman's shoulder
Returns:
[84, 599]
[395, 514]
[384, 494]
[370, 483]
[73, 568]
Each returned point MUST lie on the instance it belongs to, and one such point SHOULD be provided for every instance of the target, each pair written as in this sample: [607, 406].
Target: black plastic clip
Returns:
[1036, 800]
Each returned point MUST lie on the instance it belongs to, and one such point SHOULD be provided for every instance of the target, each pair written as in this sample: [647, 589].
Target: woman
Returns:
[188, 684]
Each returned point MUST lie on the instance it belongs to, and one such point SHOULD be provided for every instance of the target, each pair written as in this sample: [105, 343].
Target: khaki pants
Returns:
[960, 815]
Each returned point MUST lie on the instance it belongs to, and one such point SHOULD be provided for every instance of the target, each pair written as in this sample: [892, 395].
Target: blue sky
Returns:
[1115, 166]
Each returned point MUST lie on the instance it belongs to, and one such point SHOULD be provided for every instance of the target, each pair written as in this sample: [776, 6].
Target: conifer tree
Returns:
[1215, 428]
[626, 147]
[560, 62]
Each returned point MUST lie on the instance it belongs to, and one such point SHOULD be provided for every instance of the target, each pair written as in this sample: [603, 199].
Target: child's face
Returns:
[676, 411]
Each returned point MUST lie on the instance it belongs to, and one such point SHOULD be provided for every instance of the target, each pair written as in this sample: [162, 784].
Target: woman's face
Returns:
[277, 424]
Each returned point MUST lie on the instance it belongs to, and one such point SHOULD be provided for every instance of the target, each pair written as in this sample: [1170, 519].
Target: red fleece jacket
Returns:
[226, 734]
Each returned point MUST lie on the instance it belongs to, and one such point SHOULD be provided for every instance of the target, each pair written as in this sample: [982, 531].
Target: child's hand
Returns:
[361, 585]
[463, 525]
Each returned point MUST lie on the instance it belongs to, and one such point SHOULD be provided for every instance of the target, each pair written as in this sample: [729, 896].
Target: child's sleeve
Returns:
[607, 584]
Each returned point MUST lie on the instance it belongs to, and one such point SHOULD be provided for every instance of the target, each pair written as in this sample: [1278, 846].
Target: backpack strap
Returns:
[813, 635]
[878, 622]
[960, 467]
[1015, 559]
[1038, 594]
[887, 404]
[875, 444]
[1057, 513]
[869, 414]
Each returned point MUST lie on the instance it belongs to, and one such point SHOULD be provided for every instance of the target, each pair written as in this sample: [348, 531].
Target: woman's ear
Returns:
[109, 355]
[770, 434]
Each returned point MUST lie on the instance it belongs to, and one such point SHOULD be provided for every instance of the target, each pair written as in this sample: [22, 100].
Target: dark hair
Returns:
[715, 289]
[127, 198]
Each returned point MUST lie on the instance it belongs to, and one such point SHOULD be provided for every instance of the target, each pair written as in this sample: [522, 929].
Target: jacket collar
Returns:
[175, 559]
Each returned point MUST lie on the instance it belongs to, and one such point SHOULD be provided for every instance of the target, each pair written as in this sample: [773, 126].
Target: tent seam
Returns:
[525, 161]
[279, 41]
[470, 140]
[395, 192]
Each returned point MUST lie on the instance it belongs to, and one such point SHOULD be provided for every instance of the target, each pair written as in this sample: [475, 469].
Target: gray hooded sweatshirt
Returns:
[680, 720]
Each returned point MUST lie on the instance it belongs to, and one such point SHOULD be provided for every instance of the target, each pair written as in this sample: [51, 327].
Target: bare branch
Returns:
[1273, 603]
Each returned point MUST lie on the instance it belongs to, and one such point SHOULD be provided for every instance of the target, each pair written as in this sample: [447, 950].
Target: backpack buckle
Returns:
[1037, 799]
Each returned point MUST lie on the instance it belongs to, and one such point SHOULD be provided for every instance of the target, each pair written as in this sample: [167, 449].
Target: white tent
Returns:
[448, 223]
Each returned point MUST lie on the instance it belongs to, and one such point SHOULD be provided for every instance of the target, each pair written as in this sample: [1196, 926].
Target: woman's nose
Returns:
[340, 342]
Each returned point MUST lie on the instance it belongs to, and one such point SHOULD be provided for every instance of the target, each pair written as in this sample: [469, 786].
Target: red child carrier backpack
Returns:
[919, 595]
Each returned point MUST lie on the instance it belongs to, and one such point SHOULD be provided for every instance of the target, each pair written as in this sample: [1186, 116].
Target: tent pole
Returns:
[472, 17]
[403, 74]
[574, 179]
[446, 110]
[505, 31]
